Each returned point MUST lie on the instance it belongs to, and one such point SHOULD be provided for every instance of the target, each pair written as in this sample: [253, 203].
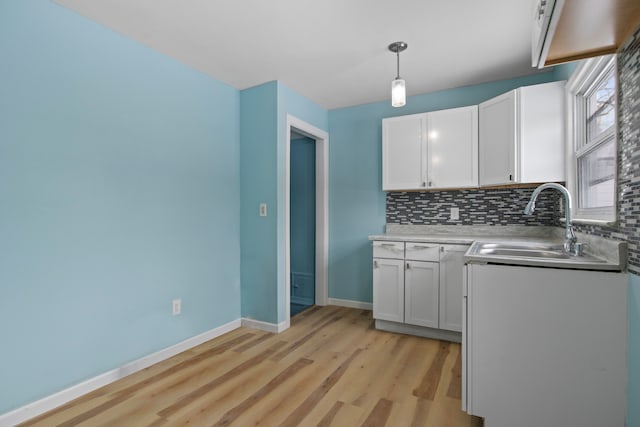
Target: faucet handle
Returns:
[578, 248]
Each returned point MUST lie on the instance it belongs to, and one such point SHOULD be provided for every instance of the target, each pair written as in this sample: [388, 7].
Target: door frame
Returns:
[321, 139]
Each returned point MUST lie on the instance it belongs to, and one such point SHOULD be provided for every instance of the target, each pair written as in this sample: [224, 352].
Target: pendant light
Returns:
[398, 89]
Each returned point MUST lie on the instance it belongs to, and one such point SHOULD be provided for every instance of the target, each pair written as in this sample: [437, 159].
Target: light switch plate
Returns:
[263, 209]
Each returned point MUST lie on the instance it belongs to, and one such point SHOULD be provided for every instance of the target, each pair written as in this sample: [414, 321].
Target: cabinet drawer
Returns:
[384, 249]
[423, 251]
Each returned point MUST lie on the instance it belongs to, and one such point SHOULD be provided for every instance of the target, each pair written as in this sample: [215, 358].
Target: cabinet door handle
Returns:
[441, 248]
[510, 177]
[375, 264]
[424, 184]
[420, 248]
[541, 8]
[408, 266]
[391, 247]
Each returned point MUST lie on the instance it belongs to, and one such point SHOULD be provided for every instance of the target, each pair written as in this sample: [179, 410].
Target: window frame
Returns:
[584, 79]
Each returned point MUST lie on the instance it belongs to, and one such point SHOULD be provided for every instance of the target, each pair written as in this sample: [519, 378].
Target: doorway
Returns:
[302, 211]
[298, 128]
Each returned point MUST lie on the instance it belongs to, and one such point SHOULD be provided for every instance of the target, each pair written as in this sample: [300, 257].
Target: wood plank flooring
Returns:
[331, 368]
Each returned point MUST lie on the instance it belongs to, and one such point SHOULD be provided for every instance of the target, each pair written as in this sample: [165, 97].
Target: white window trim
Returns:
[581, 79]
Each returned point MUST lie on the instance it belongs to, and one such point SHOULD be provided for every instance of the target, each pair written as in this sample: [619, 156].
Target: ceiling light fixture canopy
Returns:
[398, 88]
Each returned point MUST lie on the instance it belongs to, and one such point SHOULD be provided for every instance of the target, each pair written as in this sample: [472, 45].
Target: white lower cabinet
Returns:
[451, 278]
[418, 287]
[388, 286]
[545, 346]
[421, 289]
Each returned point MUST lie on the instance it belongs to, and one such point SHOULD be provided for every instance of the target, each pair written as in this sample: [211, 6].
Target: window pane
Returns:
[597, 176]
[601, 107]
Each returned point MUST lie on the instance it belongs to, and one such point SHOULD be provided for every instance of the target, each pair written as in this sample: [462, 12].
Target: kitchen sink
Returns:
[531, 253]
[524, 252]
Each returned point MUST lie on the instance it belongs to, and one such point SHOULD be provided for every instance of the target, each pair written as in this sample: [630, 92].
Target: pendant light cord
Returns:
[398, 60]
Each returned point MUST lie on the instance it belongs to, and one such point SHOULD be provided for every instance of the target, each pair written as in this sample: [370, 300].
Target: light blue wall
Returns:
[633, 355]
[119, 183]
[356, 199]
[564, 71]
[258, 135]
[263, 139]
[303, 205]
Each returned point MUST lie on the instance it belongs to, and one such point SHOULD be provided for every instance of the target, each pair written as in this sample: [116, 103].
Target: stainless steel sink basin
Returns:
[533, 250]
[524, 252]
[534, 253]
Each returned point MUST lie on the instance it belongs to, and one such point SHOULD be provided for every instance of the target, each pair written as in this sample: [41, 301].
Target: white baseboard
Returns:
[48, 403]
[350, 303]
[265, 326]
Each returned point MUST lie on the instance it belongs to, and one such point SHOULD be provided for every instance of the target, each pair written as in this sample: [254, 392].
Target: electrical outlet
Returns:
[263, 209]
[455, 214]
[176, 306]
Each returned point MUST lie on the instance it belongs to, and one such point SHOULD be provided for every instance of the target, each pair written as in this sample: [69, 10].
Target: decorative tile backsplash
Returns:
[628, 155]
[476, 207]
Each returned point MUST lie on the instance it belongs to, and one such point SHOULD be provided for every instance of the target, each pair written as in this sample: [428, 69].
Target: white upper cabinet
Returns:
[431, 150]
[522, 136]
[542, 115]
[497, 140]
[403, 152]
[452, 148]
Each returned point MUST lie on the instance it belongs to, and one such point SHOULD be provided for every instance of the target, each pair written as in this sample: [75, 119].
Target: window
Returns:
[592, 165]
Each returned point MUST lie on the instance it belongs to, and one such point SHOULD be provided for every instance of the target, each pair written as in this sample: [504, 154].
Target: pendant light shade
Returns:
[398, 93]
[398, 87]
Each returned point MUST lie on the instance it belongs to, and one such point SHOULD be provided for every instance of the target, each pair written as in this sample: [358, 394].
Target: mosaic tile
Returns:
[477, 207]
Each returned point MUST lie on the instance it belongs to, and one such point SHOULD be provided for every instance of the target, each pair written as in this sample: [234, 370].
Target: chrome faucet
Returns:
[569, 236]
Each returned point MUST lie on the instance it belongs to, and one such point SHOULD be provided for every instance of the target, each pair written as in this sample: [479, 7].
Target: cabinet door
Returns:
[452, 148]
[404, 152]
[497, 142]
[539, 336]
[541, 141]
[388, 289]
[421, 293]
[451, 282]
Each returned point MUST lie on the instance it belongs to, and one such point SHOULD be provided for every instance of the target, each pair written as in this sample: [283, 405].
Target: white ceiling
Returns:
[334, 52]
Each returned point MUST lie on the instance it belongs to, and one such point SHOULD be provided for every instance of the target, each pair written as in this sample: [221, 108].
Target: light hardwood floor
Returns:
[331, 368]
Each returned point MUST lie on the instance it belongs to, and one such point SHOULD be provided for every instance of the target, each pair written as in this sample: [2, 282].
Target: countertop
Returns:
[466, 234]
[610, 255]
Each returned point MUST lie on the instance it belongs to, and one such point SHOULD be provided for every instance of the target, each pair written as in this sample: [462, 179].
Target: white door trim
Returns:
[322, 209]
